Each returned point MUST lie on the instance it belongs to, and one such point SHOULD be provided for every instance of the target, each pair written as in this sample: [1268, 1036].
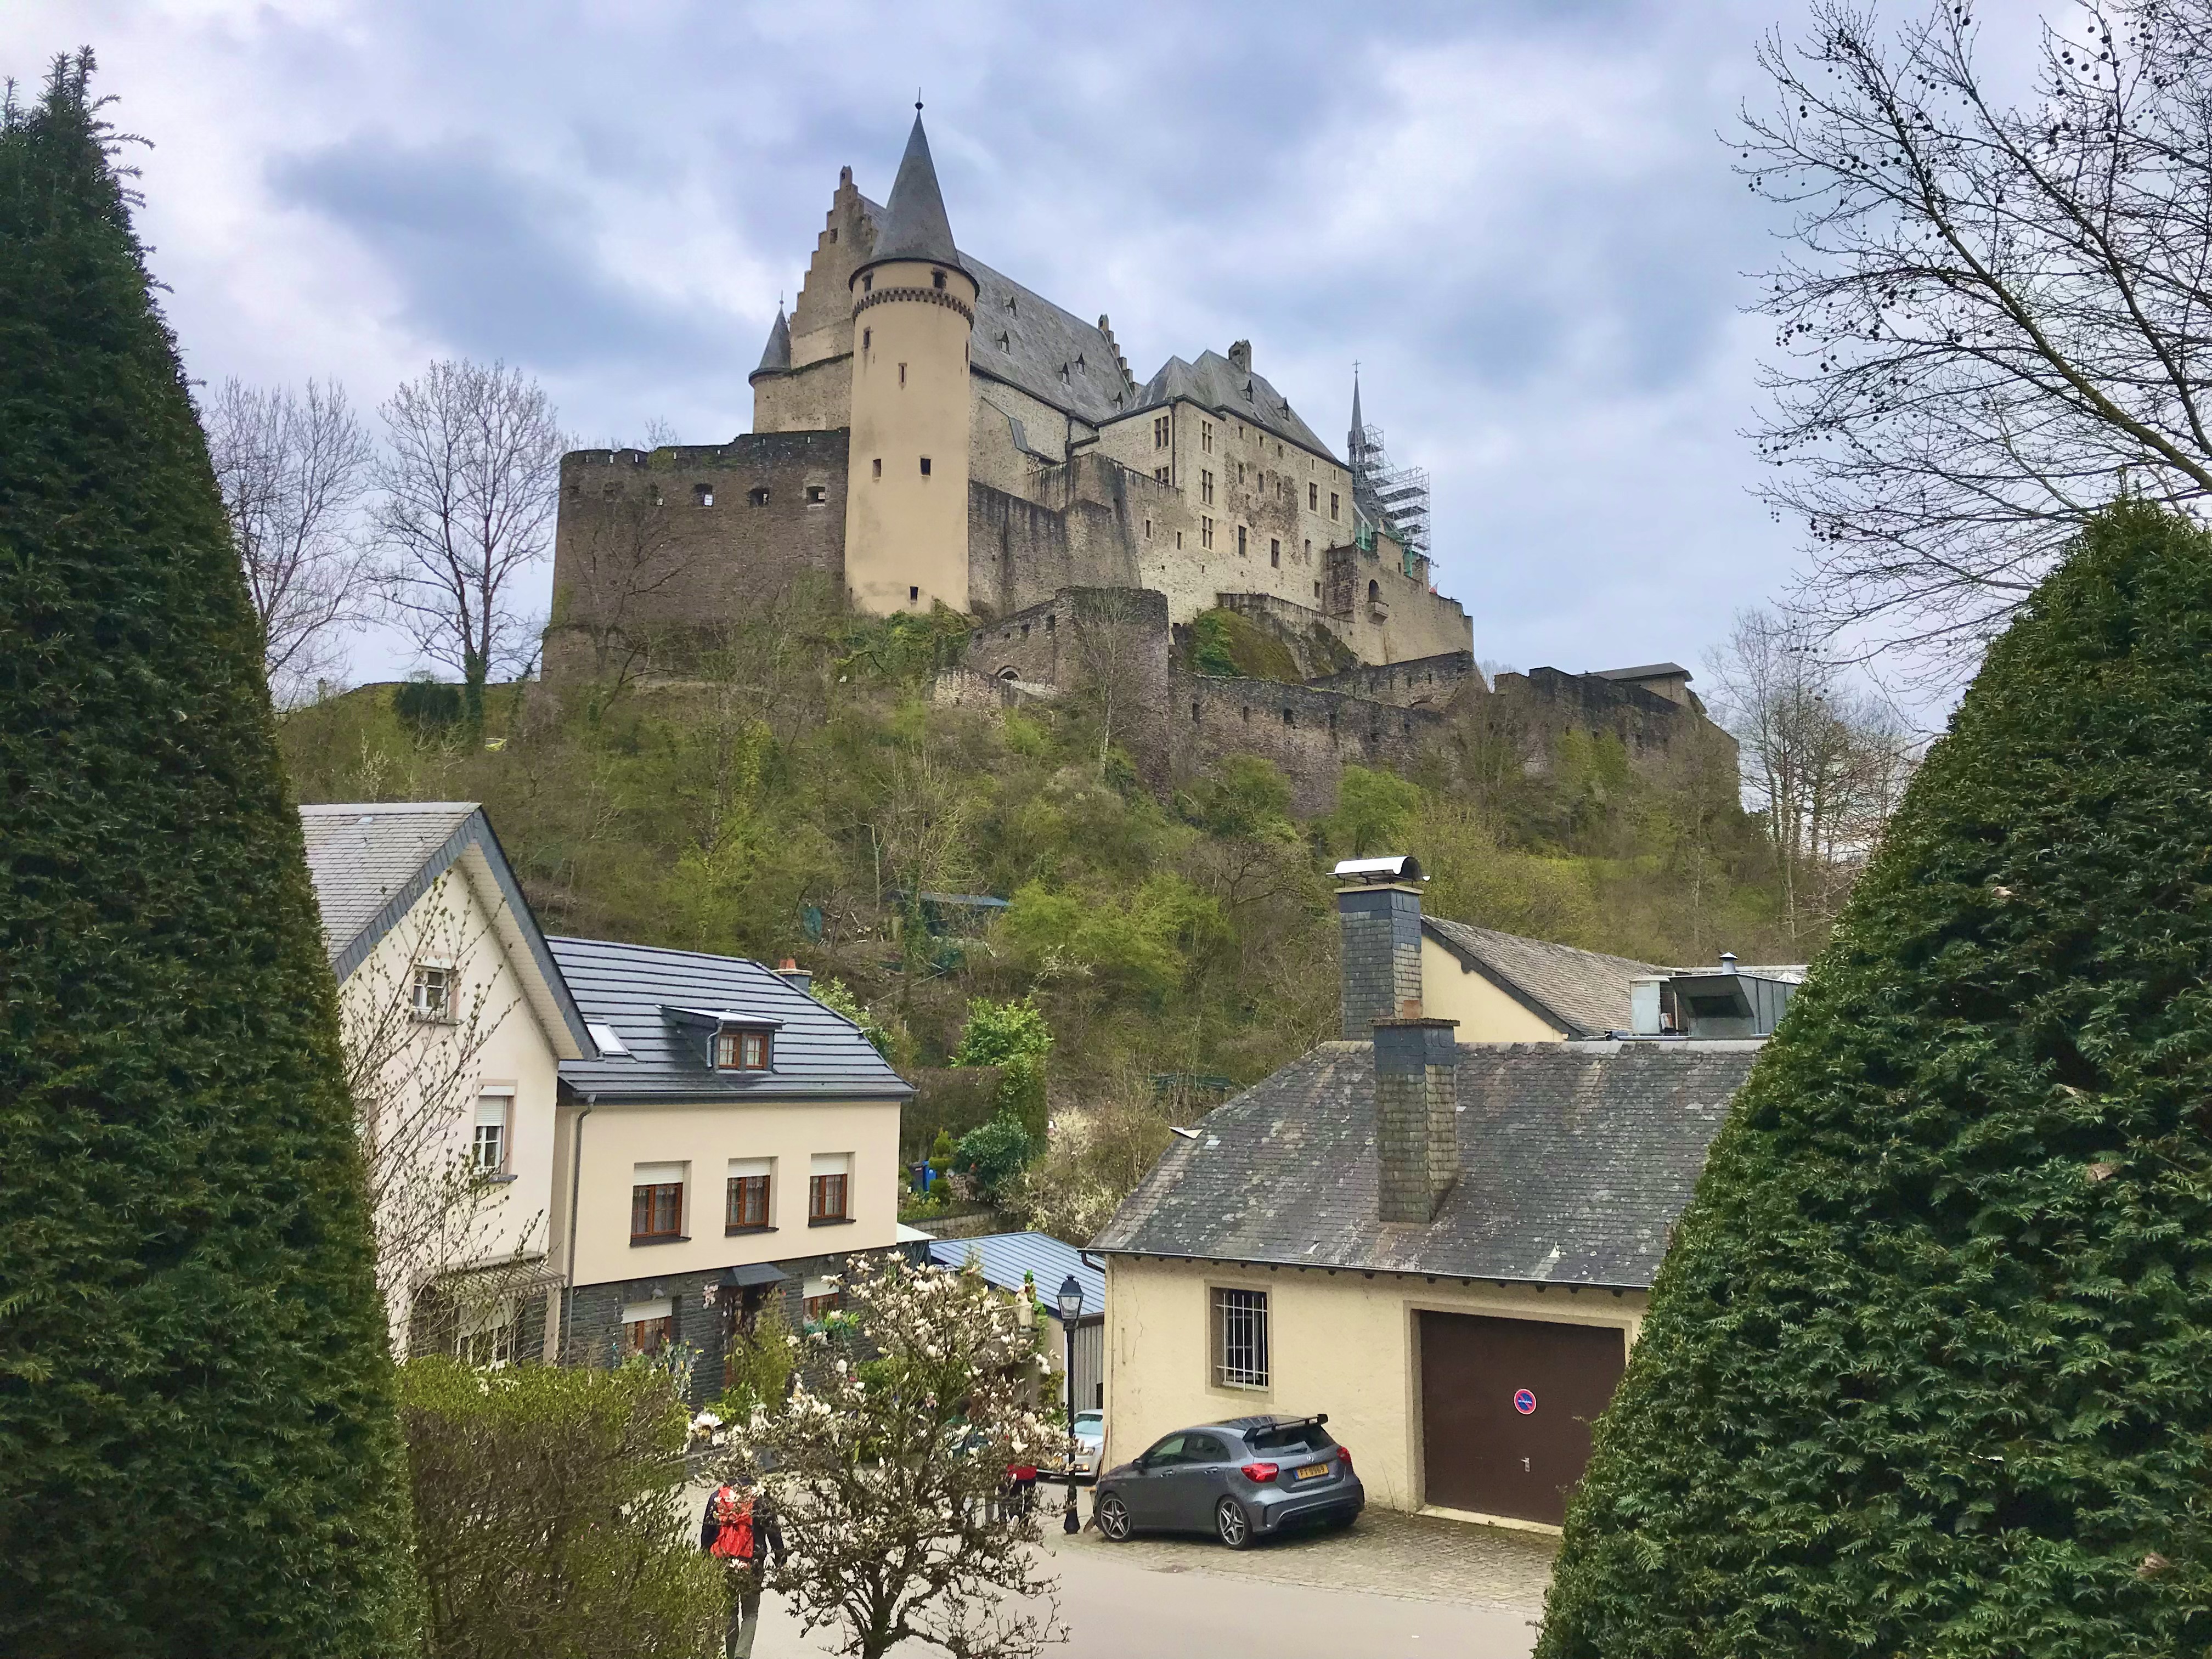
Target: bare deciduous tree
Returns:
[291, 469]
[1996, 316]
[414, 1051]
[1823, 763]
[468, 491]
[619, 556]
[890, 1478]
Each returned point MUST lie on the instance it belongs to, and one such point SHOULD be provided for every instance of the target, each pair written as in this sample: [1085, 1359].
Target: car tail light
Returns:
[1259, 1473]
[1344, 1456]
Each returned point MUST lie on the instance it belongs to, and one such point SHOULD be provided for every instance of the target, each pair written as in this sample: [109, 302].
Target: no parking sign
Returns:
[1524, 1401]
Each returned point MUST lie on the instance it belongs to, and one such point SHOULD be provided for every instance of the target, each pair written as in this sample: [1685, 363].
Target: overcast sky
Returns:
[1518, 217]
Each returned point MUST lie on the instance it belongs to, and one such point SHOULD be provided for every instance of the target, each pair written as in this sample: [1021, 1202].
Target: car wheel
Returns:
[1233, 1525]
[1113, 1518]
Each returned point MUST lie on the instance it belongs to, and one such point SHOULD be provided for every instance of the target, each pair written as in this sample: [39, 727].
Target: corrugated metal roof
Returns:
[818, 1054]
[1005, 1257]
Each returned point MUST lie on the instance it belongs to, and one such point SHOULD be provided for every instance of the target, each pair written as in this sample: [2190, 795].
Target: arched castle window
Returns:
[1374, 591]
[757, 497]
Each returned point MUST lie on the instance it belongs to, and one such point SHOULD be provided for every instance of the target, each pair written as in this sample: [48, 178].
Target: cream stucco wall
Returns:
[1345, 1343]
[1452, 990]
[705, 1136]
[458, 922]
[905, 533]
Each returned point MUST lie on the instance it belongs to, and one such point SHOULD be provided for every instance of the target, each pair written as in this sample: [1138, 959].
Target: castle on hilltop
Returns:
[927, 431]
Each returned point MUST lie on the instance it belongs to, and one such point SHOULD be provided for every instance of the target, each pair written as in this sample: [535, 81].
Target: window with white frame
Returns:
[433, 990]
[1240, 1339]
[487, 1154]
[486, 1336]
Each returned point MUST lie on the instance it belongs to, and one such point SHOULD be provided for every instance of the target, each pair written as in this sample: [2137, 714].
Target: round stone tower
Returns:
[913, 306]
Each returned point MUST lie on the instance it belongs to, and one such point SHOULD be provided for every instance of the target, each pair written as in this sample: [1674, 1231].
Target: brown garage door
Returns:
[1480, 1450]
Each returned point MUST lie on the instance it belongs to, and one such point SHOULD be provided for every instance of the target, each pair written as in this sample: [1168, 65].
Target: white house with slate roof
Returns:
[732, 1142]
[1446, 1246]
[456, 1020]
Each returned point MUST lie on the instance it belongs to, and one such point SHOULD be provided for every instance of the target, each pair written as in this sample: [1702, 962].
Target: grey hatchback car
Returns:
[1249, 1478]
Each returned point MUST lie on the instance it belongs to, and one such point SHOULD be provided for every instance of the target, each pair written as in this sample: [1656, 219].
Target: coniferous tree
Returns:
[198, 1444]
[1929, 1368]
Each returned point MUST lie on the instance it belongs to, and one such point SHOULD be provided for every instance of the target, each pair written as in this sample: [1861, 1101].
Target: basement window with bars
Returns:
[1240, 1339]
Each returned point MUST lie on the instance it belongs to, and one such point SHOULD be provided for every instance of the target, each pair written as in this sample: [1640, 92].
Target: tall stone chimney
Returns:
[1378, 916]
[1416, 1116]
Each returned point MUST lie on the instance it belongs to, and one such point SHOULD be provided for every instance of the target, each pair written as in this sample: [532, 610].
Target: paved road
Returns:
[1465, 1592]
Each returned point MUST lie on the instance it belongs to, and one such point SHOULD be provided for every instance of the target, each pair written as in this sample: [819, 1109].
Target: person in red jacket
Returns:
[740, 1531]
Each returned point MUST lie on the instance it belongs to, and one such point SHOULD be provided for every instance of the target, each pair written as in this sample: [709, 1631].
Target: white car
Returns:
[1090, 1442]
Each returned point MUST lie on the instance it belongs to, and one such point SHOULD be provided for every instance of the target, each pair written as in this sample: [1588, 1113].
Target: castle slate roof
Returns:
[1217, 384]
[776, 358]
[914, 227]
[1575, 1160]
[651, 1001]
[1584, 992]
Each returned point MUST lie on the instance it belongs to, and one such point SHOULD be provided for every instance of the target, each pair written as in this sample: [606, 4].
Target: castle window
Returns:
[902, 373]
[1287, 720]
[833, 238]
[1334, 501]
[913, 595]
[868, 284]
[867, 338]
[878, 464]
[1317, 590]
[1239, 541]
[1374, 591]
[1178, 541]
[1049, 622]
[1148, 530]
[1005, 342]
[1160, 431]
[817, 495]
[1206, 436]
[1205, 488]
[757, 497]
[937, 279]
[1240, 472]
[1313, 498]
[1009, 673]
[1194, 710]
[1310, 553]
[1011, 312]
[1275, 552]
[1247, 713]
[1160, 473]
[1205, 533]
[703, 494]
[924, 466]
[1025, 630]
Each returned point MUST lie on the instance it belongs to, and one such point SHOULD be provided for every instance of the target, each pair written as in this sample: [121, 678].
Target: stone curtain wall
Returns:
[1423, 682]
[1534, 711]
[711, 565]
[1311, 734]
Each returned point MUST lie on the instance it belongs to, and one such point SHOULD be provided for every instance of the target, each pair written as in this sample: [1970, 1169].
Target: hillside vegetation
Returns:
[800, 794]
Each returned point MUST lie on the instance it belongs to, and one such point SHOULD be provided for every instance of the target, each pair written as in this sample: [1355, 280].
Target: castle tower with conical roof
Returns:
[913, 309]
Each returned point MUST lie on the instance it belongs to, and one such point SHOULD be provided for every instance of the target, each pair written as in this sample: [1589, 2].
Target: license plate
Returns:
[1313, 1471]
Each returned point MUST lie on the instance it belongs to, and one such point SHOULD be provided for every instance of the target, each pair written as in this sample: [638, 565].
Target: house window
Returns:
[924, 466]
[877, 466]
[434, 991]
[487, 1153]
[1205, 487]
[937, 279]
[1334, 501]
[820, 1298]
[1160, 430]
[1205, 533]
[815, 494]
[748, 1196]
[741, 1051]
[1240, 1339]
[1275, 552]
[486, 1336]
[1206, 436]
[656, 1202]
[703, 494]
[828, 1195]
[757, 497]
[1313, 498]
[647, 1326]
[1239, 541]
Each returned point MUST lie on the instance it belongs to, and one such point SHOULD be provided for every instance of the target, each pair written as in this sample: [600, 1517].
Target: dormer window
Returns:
[741, 1051]
[1011, 312]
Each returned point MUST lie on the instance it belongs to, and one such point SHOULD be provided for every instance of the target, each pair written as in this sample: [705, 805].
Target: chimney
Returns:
[795, 976]
[1378, 917]
[1416, 1112]
[1240, 356]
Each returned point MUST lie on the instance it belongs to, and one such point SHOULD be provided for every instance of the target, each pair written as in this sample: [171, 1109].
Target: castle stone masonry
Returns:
[927, 431]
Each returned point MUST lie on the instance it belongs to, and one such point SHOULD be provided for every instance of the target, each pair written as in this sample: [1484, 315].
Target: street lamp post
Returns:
[1071, 1309]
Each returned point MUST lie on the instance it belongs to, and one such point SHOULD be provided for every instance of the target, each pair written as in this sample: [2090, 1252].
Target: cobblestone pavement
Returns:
[1383, 1554]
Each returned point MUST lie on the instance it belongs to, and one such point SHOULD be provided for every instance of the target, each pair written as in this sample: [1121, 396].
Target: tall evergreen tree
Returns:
[198, 1435]
[1929, 1369]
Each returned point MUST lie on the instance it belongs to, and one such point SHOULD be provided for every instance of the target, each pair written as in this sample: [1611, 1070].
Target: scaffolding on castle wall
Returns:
[1401, 492]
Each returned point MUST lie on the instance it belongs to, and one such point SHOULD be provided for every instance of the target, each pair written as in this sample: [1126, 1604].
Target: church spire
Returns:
[1356, 443]
[915, 225]
[776, 360]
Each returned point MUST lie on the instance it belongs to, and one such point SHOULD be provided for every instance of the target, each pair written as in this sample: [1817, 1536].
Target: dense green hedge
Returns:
[1929, 1370]
[198, 1445]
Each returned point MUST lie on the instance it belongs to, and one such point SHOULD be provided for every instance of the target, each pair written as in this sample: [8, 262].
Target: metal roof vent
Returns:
[1368, 871]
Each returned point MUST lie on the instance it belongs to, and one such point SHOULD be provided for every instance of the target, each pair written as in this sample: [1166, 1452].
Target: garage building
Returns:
[1447, 1246]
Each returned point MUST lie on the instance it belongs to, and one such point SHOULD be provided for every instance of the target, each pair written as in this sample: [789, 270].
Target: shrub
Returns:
[426, 705]
[550, 1513]
[993, 1155]
[1929, 1368]
[756, 1370]
[1014, 1037]
[198, 1452]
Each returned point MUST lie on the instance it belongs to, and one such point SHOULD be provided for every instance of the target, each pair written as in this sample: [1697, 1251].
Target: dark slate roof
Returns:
[1575, 1160]
[1585, 991]
[777, 357]
[371, 861]
[818, 1054]
[1217, 384]
[915, 225]
[1003, 1258]
[1649, 671]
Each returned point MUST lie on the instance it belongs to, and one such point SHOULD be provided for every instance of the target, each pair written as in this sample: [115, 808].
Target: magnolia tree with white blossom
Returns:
[890, 1472]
